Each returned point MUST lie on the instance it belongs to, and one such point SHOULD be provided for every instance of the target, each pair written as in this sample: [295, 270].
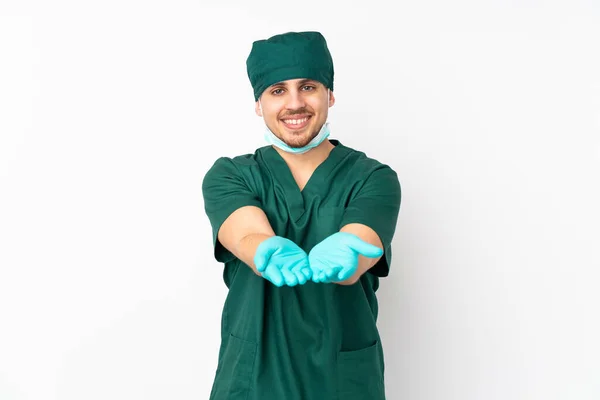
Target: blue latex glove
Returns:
[336, 258]
[282, 261]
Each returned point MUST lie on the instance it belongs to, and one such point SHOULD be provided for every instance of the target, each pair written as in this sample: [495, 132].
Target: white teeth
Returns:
[295, 121]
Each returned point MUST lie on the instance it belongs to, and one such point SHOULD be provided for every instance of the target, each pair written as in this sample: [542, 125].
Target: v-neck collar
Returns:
[283, 175]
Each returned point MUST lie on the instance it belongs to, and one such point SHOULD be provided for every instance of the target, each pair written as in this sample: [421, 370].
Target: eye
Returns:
[308, 88]
[277, 91]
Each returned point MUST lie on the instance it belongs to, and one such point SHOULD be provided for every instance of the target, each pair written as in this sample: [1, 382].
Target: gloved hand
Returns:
[336, 258]
[282, 261]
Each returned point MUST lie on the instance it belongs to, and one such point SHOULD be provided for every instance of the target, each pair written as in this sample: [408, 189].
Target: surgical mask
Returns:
[271, 139]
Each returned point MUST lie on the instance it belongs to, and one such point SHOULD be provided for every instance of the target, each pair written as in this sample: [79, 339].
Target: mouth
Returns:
[297, 122]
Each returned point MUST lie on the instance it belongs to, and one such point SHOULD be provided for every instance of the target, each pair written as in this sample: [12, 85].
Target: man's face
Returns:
[295, 110]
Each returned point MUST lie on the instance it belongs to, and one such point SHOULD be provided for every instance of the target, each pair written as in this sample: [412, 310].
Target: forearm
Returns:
[364, 264]
[246, 248]
[243, 231]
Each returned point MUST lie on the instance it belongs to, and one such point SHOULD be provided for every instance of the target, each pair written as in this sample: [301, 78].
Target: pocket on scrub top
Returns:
[234, 373]
[360, 374]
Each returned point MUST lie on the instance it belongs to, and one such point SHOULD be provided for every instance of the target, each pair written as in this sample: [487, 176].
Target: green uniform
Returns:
[317, 341]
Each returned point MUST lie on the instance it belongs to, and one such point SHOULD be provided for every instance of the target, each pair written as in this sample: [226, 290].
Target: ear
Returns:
[258, 109]
[331, 98]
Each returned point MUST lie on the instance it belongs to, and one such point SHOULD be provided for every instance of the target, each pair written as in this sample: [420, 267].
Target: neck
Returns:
[311, 158]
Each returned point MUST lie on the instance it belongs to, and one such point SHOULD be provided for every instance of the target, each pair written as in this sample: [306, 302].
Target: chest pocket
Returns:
[235, 370]
[360, 374]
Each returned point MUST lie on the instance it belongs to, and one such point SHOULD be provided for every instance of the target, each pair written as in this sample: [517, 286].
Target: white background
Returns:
[111, 112]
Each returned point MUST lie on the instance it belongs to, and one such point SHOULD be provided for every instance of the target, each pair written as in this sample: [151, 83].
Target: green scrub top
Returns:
[316, 341]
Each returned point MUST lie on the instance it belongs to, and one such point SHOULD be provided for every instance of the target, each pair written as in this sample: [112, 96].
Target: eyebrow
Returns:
[302, 82]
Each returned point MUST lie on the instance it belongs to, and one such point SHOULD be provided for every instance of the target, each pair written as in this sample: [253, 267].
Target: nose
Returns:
[295, 100]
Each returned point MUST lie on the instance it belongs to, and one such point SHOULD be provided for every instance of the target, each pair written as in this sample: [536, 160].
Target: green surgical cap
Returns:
[291, 55]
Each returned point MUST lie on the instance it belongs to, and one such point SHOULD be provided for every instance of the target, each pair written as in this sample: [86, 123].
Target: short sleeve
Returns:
[377, 205]
[225, 190]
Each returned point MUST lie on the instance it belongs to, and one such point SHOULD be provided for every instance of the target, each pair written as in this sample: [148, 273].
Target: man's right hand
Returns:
[282, 261]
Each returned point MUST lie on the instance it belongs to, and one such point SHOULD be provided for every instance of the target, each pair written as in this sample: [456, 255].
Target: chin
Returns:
[299, 143]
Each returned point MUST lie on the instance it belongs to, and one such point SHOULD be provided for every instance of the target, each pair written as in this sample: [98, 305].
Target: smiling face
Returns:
[295, 110]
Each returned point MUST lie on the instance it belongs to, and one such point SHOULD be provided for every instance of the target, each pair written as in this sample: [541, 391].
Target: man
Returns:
[304, 227]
